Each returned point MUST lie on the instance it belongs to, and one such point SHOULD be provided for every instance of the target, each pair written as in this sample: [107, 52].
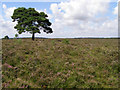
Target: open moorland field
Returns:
[60, 63]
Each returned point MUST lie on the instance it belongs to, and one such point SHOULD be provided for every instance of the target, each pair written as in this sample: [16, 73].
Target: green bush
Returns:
[16, 35]
[66, 41]
[6, 37]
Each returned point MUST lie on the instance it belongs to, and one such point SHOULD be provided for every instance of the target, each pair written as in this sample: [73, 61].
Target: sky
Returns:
[70, 18]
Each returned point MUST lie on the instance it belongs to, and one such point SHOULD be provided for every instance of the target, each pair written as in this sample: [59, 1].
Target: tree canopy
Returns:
[29, 20]
[6, 37]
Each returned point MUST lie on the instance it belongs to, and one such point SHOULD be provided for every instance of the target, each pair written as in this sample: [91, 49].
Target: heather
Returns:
[60, 63]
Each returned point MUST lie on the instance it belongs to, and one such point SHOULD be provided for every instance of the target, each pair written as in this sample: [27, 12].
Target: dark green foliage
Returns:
[31, 21]
[6, 37]
[16, 35]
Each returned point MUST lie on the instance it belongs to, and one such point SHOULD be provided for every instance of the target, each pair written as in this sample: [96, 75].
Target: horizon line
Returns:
[60, 37]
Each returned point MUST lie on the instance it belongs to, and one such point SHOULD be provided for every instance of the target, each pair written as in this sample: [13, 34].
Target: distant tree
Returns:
[6, 37]
[16, 35]
[31, 21]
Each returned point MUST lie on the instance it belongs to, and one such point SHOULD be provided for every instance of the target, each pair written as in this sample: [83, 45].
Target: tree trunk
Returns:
[33, 36]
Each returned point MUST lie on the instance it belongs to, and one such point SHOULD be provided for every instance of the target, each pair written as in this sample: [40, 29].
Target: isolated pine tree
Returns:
[29, 20]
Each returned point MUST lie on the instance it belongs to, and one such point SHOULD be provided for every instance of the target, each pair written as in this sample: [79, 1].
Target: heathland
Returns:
[60, 63]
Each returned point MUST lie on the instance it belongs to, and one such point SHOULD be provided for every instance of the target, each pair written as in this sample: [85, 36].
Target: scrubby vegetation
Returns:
[60, 63]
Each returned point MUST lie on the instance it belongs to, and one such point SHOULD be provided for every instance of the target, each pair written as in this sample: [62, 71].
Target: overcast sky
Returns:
[71, 18]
